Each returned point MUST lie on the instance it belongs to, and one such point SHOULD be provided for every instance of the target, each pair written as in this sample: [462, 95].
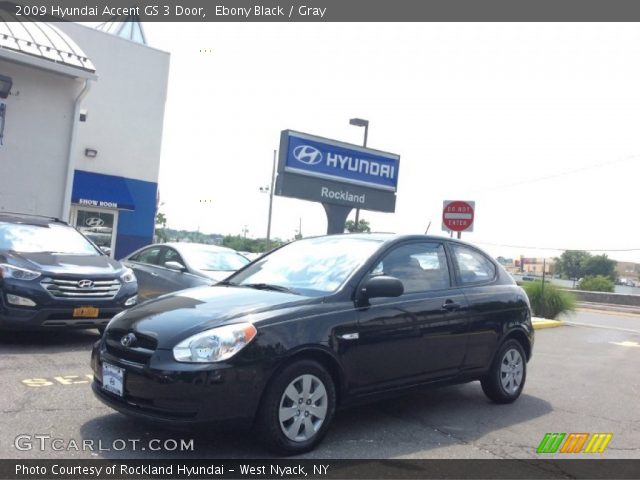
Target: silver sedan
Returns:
[168, 267]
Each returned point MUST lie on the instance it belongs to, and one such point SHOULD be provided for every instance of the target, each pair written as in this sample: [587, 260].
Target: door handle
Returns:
[450, 305]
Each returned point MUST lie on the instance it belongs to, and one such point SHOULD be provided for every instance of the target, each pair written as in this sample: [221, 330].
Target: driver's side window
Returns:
[419, 266]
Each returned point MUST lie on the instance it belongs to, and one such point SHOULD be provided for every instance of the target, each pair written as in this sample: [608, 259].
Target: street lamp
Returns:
[360, 122]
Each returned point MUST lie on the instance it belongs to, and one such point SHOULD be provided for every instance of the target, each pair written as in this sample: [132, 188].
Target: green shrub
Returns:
[599, 283]
[550, 301]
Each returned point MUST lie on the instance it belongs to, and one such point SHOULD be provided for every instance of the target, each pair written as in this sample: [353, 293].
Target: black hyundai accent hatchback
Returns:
[316, 324]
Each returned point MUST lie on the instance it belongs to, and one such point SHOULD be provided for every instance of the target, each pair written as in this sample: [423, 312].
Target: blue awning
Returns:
[104, 191]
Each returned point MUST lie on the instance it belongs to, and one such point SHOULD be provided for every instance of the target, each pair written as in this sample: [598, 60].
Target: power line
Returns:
[559, 174]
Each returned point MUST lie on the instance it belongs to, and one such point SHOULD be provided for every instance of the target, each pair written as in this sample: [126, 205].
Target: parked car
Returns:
[168, 267]
[51, 276]
[316, 324]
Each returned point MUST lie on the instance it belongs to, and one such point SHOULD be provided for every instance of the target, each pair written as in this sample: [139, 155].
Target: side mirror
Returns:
[105, 250]
[177, 266]
[382, 286]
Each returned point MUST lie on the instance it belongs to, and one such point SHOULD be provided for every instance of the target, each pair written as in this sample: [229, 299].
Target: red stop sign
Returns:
[457, 215]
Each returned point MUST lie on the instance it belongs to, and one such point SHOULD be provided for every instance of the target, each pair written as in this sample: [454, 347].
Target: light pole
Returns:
[269, 190]
[360, 122]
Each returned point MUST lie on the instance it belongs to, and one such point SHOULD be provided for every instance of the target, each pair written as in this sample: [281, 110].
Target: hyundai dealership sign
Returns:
[328, 171]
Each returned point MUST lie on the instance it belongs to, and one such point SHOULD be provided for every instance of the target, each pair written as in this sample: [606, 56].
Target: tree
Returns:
[363, 226]
[572, 262]
[161, 234]
[600, 265]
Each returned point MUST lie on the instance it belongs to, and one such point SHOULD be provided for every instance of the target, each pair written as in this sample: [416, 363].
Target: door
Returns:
[99, 225]
[174, 280]
[145, 265]
[419, 336]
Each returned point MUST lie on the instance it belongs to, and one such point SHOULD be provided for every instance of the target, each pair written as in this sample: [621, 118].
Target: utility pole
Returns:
[359, 122]
[271, 188]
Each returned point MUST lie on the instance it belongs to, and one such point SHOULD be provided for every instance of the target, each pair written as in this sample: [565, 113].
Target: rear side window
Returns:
[150, 256]
[473, 266]
[420, 267]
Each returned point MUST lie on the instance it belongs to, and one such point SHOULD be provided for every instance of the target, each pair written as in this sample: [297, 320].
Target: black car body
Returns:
[169, 267]
[371, 334]
[51, 276]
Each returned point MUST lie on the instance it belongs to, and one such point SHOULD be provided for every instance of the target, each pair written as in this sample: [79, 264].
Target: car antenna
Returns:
[428, 227]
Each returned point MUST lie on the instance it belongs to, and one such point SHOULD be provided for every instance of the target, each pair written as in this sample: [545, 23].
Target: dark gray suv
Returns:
[51, 276]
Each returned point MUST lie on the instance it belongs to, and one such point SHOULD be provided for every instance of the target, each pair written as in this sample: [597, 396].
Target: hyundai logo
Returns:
[85, 283]
[307, 154]
[94, 222]
[128, 340]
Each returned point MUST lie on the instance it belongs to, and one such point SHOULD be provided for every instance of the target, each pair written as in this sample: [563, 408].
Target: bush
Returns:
[599, 283]
[548, 303]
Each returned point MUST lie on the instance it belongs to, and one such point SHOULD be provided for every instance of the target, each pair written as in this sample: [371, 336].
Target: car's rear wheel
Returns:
[505, 380]
[297, 408]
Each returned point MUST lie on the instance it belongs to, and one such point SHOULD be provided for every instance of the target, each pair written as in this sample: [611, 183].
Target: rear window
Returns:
[53, 238]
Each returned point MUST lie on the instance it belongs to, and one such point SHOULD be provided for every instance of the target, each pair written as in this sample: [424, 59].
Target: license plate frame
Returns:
[113, 379]
[86, 312]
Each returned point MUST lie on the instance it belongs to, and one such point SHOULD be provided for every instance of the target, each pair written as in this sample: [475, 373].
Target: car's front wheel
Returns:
[505, 380]
[297, 408]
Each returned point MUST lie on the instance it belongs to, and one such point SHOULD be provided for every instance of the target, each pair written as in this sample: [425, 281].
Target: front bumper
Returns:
[51, 313]
[180, 394]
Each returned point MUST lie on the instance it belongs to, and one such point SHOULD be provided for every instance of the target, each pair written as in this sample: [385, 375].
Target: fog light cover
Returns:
[131, 301]
[20, 301]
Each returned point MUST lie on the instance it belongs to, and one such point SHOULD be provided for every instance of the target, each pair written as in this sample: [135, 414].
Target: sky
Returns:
[538, 123]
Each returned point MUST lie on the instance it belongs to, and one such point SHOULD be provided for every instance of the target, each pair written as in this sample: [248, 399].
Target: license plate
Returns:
[86, 312]
[113, 379]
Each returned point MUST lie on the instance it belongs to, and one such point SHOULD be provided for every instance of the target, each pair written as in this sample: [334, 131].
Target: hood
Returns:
[69, 265]
[174, 317]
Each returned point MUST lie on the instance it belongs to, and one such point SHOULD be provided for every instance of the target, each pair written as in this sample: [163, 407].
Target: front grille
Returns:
[140, 353]
[98, 289]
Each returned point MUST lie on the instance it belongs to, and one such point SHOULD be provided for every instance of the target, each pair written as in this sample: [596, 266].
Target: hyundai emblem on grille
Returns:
[128, 340]
[85, 283]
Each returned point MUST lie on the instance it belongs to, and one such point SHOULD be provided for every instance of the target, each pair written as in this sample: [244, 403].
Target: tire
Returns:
[296, 380]
[505, 380]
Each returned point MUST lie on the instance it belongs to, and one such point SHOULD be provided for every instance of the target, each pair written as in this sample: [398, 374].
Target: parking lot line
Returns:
[606, 327]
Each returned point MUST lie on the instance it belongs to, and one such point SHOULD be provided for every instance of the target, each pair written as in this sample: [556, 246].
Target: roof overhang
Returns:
[48, 65]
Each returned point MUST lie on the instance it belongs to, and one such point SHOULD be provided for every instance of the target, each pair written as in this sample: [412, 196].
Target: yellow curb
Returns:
[539, 323]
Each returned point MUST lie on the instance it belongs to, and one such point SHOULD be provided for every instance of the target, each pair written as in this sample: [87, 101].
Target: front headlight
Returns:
[9, 271]
[128, 276]
[215, 345]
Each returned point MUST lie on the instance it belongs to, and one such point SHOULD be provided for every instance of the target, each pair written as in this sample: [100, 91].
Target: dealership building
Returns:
[81, 123]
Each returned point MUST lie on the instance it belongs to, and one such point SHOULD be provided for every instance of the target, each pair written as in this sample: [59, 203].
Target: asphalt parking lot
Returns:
[583, 378]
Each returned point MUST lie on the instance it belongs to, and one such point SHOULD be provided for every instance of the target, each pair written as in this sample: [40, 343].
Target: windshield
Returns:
[312, 267]
[210, 260]
[44, 238]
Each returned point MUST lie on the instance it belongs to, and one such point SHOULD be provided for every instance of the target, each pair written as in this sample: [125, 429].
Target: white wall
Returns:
[33, 158]
[125, 105]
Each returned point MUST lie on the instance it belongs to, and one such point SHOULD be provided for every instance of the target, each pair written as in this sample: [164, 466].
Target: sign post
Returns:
[339, 175]
[458, 216]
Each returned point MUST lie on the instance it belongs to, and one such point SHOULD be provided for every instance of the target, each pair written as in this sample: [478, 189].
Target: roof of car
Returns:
[387, 237]
[25, 218]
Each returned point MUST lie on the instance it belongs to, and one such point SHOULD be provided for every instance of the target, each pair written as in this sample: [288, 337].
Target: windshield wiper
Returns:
[267, 286]
[227, 282]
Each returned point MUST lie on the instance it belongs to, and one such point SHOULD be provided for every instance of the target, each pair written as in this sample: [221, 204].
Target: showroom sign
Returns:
[323, 158]
[336, 173]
